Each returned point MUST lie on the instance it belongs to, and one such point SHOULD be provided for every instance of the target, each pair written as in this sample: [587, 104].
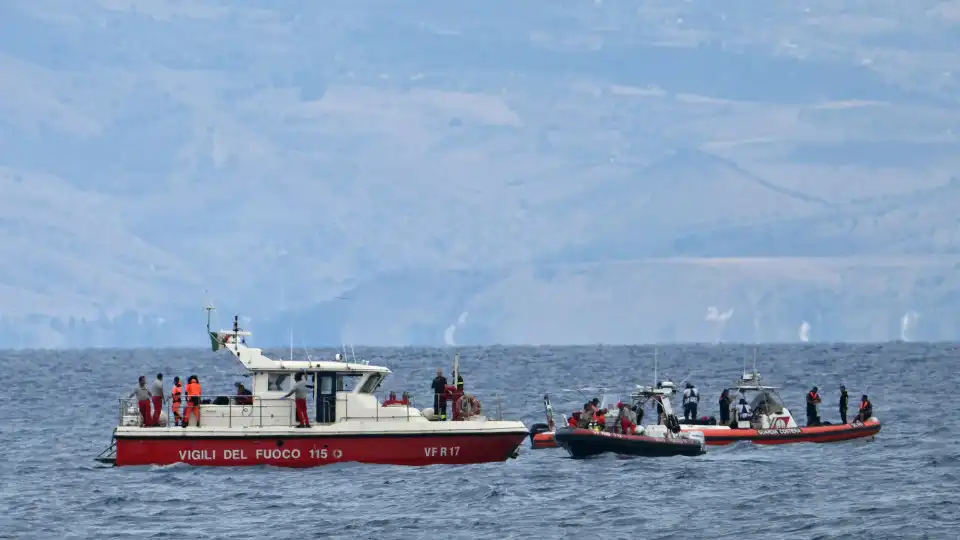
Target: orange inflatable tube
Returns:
[814, 434]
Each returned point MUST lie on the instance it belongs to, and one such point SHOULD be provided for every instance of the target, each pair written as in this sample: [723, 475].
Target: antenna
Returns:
[456, 368]
[209, 307]
[655, 360]
[291, 345]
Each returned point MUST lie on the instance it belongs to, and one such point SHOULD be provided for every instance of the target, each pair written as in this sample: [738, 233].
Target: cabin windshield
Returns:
[609, 401]
[348, 381]
[278, 382]
[766, 402]
[371, 384]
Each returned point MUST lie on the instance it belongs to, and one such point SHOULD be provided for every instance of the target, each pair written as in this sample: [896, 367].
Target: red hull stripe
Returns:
[179, 434]
[315, 451]
[794, 435]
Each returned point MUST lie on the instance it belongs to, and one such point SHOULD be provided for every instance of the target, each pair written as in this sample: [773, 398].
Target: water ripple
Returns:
[905, 484]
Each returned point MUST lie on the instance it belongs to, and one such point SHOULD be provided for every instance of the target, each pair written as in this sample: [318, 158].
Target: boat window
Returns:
[278, 382]
[371, 384]
[347, 382]
[326, 384]
[766, 403]
[609, 401]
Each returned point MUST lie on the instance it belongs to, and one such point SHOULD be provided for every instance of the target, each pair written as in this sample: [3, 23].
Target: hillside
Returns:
[520, 159]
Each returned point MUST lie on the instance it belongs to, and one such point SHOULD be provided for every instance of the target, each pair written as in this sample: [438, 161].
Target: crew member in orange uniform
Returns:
[813, 407]
[866, 410]
[194, 391]
[176, 397]
[601, 420]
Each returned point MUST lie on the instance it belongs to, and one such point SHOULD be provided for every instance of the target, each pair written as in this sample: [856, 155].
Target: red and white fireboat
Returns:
[348, 425]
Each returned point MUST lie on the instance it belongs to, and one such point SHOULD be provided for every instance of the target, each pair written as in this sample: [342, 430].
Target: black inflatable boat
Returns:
[581, 443]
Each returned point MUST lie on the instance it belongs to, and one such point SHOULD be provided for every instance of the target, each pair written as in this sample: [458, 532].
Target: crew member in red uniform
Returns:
[574, 420]
[299, 392]
[627, 426]
[392, 400]
[176, 398]
[194, 391]
[142, 393]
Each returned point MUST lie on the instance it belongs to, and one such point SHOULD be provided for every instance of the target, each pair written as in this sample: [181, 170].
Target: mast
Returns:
[209, 307]
[456, 369]
[655, 367]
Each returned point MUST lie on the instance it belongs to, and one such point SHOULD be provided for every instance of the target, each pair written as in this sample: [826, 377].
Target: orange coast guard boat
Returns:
[770, 422]
[347, 425]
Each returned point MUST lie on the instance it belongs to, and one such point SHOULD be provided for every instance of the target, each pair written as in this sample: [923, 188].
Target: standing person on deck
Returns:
[459, 381]
[142, 394]
[300, 387]
[157, 392]
[176, 398]
[843, 404]
[194, 391]
[813, 407]
[439, 387]
[725, 407]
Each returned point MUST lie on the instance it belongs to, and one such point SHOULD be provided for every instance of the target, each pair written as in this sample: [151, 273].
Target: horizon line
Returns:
[340, 348]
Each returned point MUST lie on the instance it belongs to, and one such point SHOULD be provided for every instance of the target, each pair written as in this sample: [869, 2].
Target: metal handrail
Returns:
[266, 409]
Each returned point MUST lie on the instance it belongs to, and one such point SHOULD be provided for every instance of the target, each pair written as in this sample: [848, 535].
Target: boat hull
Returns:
[582, 443]
[312, 449]
[817, 434]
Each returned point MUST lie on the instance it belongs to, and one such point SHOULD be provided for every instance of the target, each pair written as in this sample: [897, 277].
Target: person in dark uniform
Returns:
[813, 406]
[725, 407]
[843, 404]
[460, 381]
[243, 397]
[439, 386]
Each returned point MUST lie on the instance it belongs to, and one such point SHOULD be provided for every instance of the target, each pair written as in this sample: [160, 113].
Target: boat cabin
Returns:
[768, 410]
[657, 397]
[340, 390]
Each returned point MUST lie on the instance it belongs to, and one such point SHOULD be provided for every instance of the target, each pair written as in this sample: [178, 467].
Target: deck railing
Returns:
[278, 412]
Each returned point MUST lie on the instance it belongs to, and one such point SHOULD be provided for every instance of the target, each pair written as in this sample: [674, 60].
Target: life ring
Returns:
[468, 407]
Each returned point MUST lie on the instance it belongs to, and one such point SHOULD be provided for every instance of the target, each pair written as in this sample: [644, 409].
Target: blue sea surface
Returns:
[57, 410]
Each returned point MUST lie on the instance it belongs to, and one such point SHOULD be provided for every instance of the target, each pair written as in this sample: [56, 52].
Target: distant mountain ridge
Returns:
[578, 172]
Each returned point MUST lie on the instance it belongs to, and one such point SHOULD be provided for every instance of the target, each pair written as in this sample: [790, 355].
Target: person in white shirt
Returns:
[142, 394]
[299, 391]
[156, 391]
[744, 412]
